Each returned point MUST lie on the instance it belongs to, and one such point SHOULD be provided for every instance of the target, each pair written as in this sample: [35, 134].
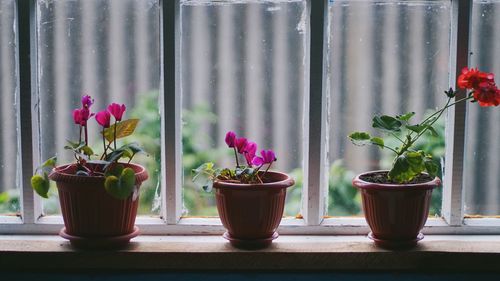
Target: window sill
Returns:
[352, 253]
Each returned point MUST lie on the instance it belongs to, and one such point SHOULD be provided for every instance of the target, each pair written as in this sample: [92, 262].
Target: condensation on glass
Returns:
[385, 57]
[108, 49]
[482, 158]
[9, 152]
[242, 69]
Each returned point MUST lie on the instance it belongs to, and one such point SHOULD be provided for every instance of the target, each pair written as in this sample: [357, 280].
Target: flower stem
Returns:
[104, 145]
[80, 137]
[114, 136]
[86, 136]
[265, 172]
[236, 157]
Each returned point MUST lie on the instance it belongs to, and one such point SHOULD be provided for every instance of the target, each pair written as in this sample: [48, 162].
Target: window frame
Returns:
[316, 106]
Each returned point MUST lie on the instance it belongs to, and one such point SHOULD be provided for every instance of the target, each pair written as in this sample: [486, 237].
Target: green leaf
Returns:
[407, 166]
[51, 162]
[114, 156]
[87, 150]
[386, 123]
[114, 170]
[431, 167]
[73, 145]
[123, 129]
[120, 187]
[415, 128]
[204, 175]
[360, 138]
[405, 117]
[378, 142]
[433, 131]
[41, 184]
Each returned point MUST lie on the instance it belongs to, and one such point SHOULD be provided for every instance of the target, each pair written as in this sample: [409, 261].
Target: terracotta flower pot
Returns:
[92, 217]
[395, 212]
[251, 213]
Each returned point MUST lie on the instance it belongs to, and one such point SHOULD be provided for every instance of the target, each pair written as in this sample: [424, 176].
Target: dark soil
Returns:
[381, 177]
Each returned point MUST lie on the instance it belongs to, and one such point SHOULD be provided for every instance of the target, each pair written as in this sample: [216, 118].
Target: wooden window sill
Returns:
[297, 253]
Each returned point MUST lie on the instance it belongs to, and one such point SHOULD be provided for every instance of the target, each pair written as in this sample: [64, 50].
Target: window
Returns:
[482, 196]
[9, 154]
[247, 61]
[295, 76]
[384, 56]
[109, 49]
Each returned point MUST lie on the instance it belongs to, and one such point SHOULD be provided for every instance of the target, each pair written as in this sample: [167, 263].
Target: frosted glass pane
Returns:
[108, 49]
[243, 70]
[386, 57]
[482, 162]
[9, 153]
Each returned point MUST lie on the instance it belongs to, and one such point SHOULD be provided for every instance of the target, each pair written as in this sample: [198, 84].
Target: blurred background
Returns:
[243, 68]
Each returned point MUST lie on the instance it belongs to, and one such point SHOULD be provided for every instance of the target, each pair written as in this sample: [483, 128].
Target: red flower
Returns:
[471, 78]
[487, 94]
[117, 110]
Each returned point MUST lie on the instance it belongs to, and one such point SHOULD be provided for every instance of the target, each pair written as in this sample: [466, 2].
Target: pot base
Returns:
[395, 244]
[250, 244]
[93, 243]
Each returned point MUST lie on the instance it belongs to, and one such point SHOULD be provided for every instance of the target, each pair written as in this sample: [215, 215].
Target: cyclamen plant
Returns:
[251, 173]
[409, 163]
[119, 181]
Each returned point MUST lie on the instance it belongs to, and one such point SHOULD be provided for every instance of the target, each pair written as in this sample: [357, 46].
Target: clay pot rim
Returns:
[58, 176]
[285, 183]
[359, 183]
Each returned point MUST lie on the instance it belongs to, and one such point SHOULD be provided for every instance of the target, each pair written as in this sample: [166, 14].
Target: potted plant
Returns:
[98, 195]
[250, 198]
[396, 202]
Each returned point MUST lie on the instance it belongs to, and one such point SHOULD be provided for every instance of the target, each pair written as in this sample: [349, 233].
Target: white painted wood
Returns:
[289, 226]
[314, 191]
[170, 107]
[452, 208]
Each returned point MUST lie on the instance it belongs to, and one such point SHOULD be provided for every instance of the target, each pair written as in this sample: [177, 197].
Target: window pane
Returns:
[386, 57]
[242, 70]
[9, 153]
[108, 49]
[482, 163]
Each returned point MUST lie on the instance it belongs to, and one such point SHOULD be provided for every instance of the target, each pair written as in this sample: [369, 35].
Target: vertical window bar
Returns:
[26, 34]
[315, 152]
[452, 208]
[171, 112]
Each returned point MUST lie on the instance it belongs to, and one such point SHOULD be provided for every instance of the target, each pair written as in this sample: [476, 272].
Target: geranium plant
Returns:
[119, 180]
[252, 171]
[409, 163]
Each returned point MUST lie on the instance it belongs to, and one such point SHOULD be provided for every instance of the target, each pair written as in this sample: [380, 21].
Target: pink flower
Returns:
[80, 116]
[87, 101]
[77, 116]
[249, 152]
[103, 118]
[268, 157]
[117, 110]
[230, 138]
[240, 144]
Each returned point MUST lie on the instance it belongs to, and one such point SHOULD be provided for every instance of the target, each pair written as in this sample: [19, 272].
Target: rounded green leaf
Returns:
[41, 185]
[386, 123]
[360, 138]
[377, 141]
[121, 187]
